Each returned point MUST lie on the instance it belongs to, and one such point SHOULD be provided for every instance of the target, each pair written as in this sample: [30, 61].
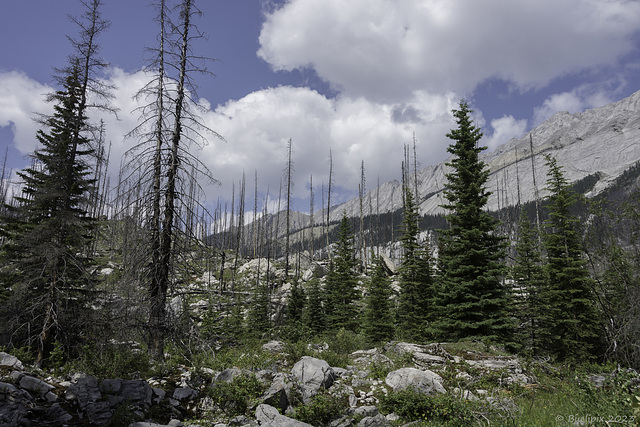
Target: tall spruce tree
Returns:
[575, 330]
[529, 281]
[341, 282]
[473, 297]
[415, 310]
[378, 318]
[51, 230]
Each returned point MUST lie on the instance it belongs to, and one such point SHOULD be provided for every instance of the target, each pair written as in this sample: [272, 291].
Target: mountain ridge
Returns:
[602, 140]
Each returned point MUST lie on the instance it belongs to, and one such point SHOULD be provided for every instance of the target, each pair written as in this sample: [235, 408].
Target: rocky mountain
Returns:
[603, 141]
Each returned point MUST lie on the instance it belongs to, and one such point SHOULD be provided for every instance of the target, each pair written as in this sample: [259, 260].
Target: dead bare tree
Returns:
[168, 127]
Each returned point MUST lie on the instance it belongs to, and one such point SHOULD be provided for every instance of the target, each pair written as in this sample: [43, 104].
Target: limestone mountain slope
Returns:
[604, 140]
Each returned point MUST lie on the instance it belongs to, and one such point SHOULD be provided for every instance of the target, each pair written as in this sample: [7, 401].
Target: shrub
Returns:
[412, 405]
[322, 409]
[234, 398]
[112, 361]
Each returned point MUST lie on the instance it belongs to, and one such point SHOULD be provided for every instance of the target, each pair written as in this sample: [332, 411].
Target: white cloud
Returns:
[504, 129]
[257, 127]
[21, 99]
[577, 100]
[387, 49]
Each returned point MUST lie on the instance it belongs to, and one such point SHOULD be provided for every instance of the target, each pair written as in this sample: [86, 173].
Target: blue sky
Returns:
[357, 77]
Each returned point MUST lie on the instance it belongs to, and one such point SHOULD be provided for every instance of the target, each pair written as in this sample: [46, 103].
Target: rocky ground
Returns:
[31, 398]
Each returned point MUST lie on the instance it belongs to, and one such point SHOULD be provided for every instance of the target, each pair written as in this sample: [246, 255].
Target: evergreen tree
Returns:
[378, 321]
[258, 316]
[473, 297]
[295, 306]
[529, 280]
[341, 282]
[314, 315]
[574, 333]
[416, 281]
[51, 230]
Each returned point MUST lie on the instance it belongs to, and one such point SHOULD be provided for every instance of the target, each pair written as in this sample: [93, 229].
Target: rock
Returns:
[367, 357]
[34, 385]
[427, 382]
[366, 411]
[228, 375]
[376, 421]
[172, 423]
[57, 415]
[389, 265]
[184, 393]
[278, 393]
[99, 413]
[511, 365]
[10, 361]
[241, 421]
[312, 375]
[136, 392]
[13, 405]
[268, 416]
[84, 391]
[273, 346]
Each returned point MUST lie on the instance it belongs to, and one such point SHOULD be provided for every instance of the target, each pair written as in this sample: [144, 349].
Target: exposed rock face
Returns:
[268, 416]
[10, 361]
[312, 374]
[427, 382]
[601, 140]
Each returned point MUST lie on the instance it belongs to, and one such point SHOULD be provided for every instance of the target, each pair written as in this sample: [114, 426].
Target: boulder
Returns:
[84, 391]
[427, 382]
[228, 375]
[312, 375]
[268, 416]
[278, 393]
[375, 421]
[184, 393]
[10, 361]
[34, 385]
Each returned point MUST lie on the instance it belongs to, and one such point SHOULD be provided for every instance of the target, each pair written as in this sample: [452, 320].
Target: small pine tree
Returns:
[415, 308]
[378, 319]
[341, 283]
[529, 280]
[258, 316]
[575, 330]
[472, 296]
[295, 304]
[314, 316]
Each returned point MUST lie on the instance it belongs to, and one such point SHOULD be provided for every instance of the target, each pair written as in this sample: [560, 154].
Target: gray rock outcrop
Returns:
[427, 382]
[312, 374]
[268, 416]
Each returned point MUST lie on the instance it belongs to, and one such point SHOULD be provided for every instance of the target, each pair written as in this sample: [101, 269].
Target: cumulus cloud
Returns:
[577, 100]
[21, 99]
[504, 129]
[257, 127]
[385, 49]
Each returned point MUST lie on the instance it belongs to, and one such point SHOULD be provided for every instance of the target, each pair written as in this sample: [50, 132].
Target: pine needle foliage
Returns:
[341, 282]
[314, 316]
[415, 301]
[529, 281]
[51, 230]
[473, 298]
[574, 333]
[378, 319]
